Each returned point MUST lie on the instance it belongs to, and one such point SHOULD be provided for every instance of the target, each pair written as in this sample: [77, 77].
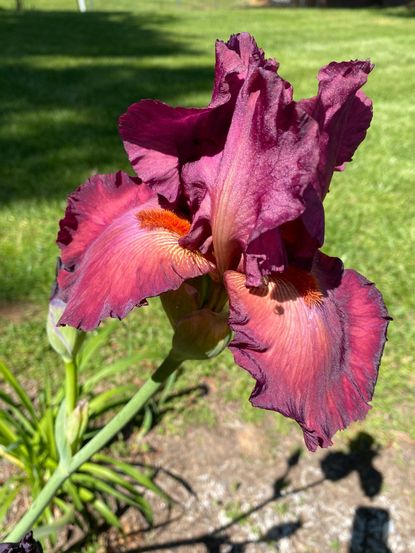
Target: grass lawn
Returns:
[66, 77]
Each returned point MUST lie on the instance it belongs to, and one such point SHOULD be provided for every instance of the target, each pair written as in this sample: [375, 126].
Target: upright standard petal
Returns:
[343, 113]
[313, 342]
[159, 139]
[118, 248]
[269, 158]
[234, 60]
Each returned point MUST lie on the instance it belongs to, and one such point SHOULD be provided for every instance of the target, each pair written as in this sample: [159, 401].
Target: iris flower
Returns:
[225, 220]
[26, 545]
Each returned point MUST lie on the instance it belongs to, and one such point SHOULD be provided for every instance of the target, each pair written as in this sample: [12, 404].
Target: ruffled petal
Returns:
[269, 158]
[118, 248]
[234, 59]
[343, 113]
[313, 342]
[159, 139]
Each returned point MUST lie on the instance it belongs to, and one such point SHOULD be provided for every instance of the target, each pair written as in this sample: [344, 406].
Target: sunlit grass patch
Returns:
[69, 76]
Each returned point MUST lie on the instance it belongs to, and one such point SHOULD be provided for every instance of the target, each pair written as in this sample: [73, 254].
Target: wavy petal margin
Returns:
[343, 113]
[313, 342]
[114, 257]
[159, 138]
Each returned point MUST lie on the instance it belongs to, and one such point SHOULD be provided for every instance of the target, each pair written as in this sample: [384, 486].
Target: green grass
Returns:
[68, 76]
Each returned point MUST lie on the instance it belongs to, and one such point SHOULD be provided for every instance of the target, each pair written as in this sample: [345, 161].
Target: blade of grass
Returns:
[92, 343]
[102, 401]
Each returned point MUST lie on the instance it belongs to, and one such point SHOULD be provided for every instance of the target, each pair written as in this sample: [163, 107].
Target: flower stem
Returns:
[71, 386]
[62, 473]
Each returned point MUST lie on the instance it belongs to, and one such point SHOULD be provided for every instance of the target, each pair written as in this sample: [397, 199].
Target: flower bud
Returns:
[76, 423]
[198, 314]
[65, 340]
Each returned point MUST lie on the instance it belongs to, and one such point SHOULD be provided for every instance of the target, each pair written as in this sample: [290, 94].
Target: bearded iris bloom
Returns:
[225, 221]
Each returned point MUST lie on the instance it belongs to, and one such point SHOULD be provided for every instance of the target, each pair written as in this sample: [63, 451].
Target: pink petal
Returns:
[344, 114]
[313, 342]
[116, 251]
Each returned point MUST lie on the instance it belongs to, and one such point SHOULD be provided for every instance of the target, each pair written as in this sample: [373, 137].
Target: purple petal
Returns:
[343, 113]
[313, 342]
[159, 138]
[268, 160]
[234, 60]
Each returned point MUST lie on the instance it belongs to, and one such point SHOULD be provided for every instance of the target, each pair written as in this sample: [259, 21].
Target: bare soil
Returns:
[241, 488]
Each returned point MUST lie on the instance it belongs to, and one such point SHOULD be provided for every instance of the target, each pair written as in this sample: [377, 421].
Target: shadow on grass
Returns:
[67, 78]
[92, 34]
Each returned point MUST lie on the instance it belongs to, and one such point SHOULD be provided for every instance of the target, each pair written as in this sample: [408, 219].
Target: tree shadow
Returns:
[67, 78]
[370, 526]
[91, 34]
[406, 12]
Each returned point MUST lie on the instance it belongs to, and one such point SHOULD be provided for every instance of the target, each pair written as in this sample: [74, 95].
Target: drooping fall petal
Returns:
[343, 113]
[118, 248]
[313, 342]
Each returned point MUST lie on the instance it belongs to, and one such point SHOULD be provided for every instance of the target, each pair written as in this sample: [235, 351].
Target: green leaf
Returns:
[14, 436]
[109, 517]
[62, 444]
[5, 454]
[136, 501]
[167, 388]
[24, 398]
[48, 529]
[116, 367]
[147, 423]
[133, 473]
[6, 430]
[7, 399]
[86, 495]
[92, 342]
[46, 427]
[74, 494]
[48, 517]
[102, 402]
[26, 424]
[105, 473]
[6, 499]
